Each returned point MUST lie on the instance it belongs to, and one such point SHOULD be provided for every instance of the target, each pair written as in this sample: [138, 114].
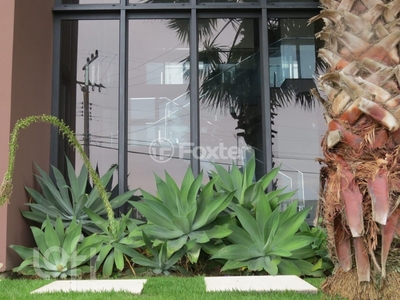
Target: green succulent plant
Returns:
[181, 215]
[160, 261]
[59, 252]
[268, 240]
[241, 182]
[65, 197]
[128, 233]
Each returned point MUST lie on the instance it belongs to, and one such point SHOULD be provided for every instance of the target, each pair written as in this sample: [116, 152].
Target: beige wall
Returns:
[26, 29]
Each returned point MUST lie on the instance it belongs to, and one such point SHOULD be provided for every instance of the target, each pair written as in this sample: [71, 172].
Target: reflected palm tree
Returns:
[230, 78]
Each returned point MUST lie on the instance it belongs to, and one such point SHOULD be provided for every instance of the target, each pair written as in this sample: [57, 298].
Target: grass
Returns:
[166, 288]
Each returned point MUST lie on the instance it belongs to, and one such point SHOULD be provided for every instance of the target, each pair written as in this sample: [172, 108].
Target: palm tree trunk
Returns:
[360, 179]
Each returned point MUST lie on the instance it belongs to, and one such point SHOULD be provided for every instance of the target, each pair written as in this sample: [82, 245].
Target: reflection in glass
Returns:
[97, 92]
[89, 1]
[229, 1]
[298, 121]
[158, 1]
[230, 109]
[159, 104]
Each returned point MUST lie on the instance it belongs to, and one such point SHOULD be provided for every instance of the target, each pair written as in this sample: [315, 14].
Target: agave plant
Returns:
[127, 233]
[269, 241]
[360, 180]
[181, 215]
[59, 252]
[161, 260]
[66, 197]
[241, 182]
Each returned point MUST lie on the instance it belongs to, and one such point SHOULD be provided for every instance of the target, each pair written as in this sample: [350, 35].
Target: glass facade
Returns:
[156, 89]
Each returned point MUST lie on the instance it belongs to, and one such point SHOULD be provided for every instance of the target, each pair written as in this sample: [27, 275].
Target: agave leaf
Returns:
[194, 253]
[290, 211]
[38, 235]
[212, 210]
[61, 183]
[237, 253]
[136, 256]
[263, 212]
[167, 196]
[292, 243]
[22, 251]
[281, 198]
[239, 236]
[304, 266]
[249, 171]
[248, 223]
[174, 258]
[108, 264]
[199, 236]
[151, 210]
[51, 192]
[174, 245]
[174, 189]
[34, 216]
[119, 259]
[206, 196]
[230, 265]
[186, 183]
[225, 177]
[218, 232]
[148, 196]
[46, 210]
[53, 242]
[258, 265]
[237, 180]
[59, 228]
[77, 184]
[270, 230]
[97, 220]
[290, 226]
[39, 199]
[267, 178]
[194, 191]
[287, 267]
[182, 224]
[105, 250]
[71, 239]
[253, 193]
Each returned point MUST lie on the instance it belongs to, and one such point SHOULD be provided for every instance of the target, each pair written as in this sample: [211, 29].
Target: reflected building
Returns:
[163, 85]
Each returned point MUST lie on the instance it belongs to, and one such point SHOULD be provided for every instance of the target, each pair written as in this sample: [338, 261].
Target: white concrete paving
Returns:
[258, 283]
[134, 286]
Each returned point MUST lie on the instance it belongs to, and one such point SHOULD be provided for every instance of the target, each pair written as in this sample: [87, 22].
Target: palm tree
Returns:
[360, 180]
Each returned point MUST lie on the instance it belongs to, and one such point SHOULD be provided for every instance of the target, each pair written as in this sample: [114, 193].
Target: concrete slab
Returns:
[258, 283]
[134, 286]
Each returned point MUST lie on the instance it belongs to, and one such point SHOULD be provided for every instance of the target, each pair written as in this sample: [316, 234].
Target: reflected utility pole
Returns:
[85, 89]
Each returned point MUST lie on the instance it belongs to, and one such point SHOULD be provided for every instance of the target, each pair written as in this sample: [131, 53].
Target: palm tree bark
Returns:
[360, 179]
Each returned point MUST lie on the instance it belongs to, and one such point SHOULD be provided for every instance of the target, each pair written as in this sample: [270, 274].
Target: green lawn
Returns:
[156, 288]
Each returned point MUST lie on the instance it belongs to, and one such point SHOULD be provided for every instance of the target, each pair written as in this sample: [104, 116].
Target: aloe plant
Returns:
[269, 240]
[59, 252]
[66, 197]
[181, 215]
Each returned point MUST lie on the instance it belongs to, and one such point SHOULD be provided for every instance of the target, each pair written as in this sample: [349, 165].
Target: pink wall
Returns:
[26, 29]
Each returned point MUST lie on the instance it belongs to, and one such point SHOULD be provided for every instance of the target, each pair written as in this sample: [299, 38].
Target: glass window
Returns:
[230, 94]
[89, 80]
[159, 103]
[297, 120]
[89, 1]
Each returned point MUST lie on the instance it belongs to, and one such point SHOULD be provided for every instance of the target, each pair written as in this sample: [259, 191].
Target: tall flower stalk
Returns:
[7, 186]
